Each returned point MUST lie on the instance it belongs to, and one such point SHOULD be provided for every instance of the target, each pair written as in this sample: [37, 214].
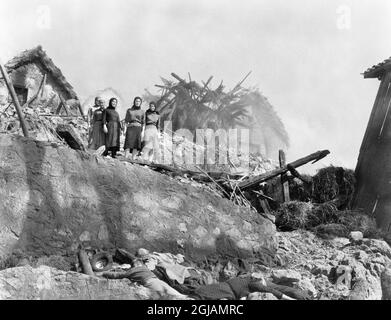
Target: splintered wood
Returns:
[232, 186]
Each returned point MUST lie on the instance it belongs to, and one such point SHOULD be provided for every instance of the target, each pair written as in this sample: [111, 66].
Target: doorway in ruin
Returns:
[22, 94]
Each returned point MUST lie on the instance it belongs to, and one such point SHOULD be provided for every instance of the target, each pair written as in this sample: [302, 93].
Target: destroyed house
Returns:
[35, 77]
[191, 105]
[373, 170]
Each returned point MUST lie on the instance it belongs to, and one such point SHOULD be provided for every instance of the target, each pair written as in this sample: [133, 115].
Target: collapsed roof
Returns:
[191, 105]
[38, 56]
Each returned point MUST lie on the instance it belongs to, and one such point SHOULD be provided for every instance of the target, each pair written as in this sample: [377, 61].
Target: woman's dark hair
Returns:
[153, 103]
[111, 100]
[134, 100]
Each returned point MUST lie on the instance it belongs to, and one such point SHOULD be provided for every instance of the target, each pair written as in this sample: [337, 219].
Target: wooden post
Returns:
[263, 201]
[85, 263]
[284, 177]
[15, 99]
[43, 84]
[81, 109]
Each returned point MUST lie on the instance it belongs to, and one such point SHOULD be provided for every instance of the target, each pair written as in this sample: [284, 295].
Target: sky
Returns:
[306, 56]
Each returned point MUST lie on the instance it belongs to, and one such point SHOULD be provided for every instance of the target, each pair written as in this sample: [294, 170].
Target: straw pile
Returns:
[334, 183]
[324, 219]
[293, 215]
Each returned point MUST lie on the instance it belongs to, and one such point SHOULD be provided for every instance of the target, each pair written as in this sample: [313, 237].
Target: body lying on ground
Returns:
[141, 274]
[240, 287]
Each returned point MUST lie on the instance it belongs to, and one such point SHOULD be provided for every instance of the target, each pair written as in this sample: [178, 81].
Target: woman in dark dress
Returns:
[112, 128]
[134, 121]
[98, 136]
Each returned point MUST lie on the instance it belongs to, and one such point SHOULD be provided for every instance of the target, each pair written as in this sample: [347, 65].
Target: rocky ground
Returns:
[337, 269]
[47, 283]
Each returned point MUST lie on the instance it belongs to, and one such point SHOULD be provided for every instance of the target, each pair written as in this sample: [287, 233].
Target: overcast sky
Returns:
[306, 56]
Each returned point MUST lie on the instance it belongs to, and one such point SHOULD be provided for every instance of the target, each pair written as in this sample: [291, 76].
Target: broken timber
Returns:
[255, 181]
[284, 177]
[205, 177]
[85, 263]
[15, 99]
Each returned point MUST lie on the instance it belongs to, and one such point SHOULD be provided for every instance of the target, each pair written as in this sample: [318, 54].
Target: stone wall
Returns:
[54, 198]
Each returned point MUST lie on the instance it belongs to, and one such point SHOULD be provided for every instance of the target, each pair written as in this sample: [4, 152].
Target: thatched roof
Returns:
[38, 56]
[378, 70]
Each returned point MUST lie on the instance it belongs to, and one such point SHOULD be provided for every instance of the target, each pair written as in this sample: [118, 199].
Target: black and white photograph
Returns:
[195, 155]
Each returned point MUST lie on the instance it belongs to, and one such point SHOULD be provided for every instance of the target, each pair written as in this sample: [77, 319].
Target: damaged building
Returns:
[192, 105]
[373, 166]
[38, 81]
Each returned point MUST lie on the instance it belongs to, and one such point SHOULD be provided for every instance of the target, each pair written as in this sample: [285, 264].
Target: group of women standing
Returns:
[142, 129]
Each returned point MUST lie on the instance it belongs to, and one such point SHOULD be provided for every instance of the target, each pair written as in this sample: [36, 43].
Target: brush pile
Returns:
[328, 211]
[334, 184]
[323, 219]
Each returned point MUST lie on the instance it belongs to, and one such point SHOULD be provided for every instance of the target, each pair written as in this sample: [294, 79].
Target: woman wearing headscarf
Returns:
[98, 136]
[112, 128]
[99, 103]
[134, 120]
[151, 134]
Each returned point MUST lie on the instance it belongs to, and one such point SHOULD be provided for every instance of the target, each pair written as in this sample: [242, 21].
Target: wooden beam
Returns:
[85, 263]
[255, 181]
[284, 180]
[43, 84]
[265, 205]
[238, 85]
[64, 104]
[177, 77]
[58, 109]
[80, 109]
[59, 116]
[5, 110]
[297, 175]
[15, 99]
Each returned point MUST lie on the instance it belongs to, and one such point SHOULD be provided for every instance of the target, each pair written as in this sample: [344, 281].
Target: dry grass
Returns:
[331, 230]
[334, 183]
[322, 214]
[293, 215]
[325, 220]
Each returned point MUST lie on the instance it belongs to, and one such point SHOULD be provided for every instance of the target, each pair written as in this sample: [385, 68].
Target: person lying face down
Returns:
[141, 274]
[240, 287]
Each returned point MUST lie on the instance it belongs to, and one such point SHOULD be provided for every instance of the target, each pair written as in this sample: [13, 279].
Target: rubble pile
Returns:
[41, 123]
[354, 268]
[191, 105]
[335, 269]
[184, 154]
